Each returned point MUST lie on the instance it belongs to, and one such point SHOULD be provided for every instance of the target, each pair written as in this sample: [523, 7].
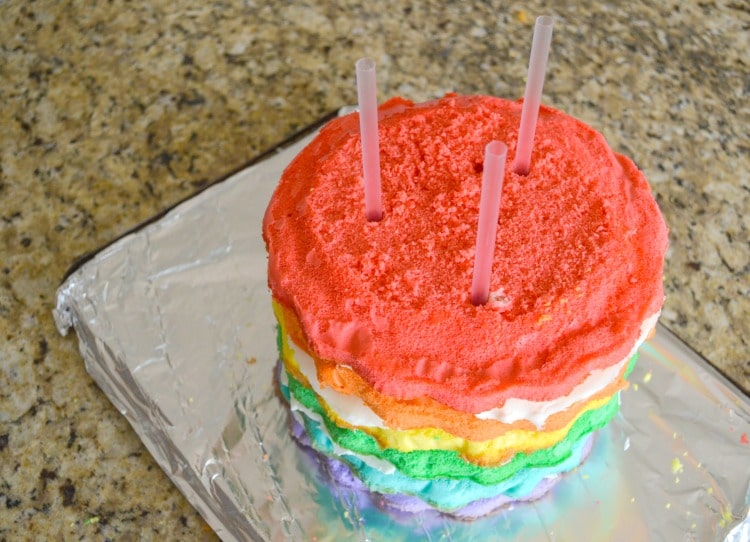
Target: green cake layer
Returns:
[430, 464]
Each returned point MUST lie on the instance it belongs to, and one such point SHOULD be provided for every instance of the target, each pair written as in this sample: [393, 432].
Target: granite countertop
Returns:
[112, 111]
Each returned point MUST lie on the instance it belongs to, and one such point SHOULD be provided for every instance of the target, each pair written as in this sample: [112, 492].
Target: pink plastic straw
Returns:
[368, 127]
[489, 209]
[533, 96]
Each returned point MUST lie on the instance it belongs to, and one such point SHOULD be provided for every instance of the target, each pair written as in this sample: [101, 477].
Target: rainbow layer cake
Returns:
[392, 375]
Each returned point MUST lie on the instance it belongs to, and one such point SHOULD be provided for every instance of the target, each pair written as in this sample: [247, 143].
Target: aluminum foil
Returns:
[175, 324]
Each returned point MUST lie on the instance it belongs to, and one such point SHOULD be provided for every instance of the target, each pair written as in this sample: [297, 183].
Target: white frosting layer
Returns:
[349, 408]
[537, 412]
[355, 412]
[295, 406]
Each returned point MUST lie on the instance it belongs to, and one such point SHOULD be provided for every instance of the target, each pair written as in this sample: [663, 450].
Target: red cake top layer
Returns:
[577, 267]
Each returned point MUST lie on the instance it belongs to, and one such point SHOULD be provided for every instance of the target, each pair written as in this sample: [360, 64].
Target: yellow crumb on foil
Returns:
[677, 466]
[647, 377]
[669, 505]
[522, 17]
[635, 386]
[726, 517]
[710, 491]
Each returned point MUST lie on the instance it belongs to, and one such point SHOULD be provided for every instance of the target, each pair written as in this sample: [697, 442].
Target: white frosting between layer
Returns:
[355, 412]
[295, 406]
[537, 412]
[349, 408]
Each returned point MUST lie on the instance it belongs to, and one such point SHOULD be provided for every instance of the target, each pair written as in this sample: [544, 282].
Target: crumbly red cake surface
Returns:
[577, 268]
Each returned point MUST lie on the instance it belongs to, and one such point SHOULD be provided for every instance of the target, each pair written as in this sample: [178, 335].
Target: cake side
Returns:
[401, 385]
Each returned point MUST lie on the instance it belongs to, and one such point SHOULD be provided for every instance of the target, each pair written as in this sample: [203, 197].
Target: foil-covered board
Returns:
[174, 323]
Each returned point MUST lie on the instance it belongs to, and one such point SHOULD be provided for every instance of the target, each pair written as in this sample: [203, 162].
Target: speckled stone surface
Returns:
[112, 111]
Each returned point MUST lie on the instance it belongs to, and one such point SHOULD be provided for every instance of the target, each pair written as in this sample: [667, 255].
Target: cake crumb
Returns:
[647, 377]
[677, 466]
[499, 300]
[744, 439]
[669, 505]
[726, 517]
